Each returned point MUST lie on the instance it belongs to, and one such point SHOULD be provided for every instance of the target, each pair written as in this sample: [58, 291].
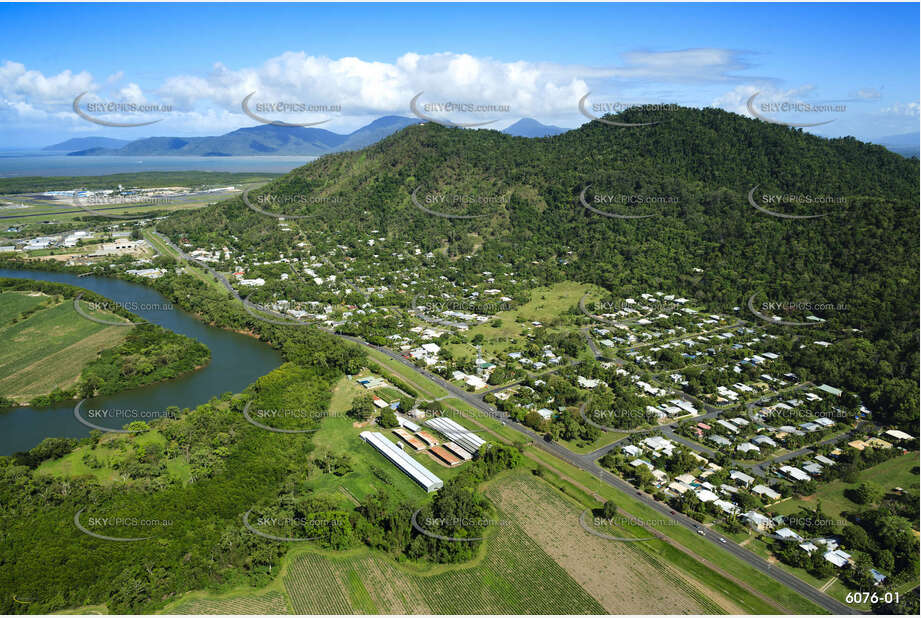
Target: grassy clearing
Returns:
[108, 455]
[237, 603]
[547, 305]
[624, 577]
[427, 388]
[50, 347]
[515, 576]
[766, 586]
[604, 439]
[895, 472]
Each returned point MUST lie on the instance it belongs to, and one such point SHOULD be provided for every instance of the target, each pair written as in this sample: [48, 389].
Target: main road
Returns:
[587, 464]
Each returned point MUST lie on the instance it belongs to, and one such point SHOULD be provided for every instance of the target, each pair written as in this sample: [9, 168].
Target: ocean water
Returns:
[14, 163]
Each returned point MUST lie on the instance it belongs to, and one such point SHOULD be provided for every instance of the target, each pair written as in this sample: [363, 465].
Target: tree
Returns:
[388, 418]
[865, 493]
[362, 407]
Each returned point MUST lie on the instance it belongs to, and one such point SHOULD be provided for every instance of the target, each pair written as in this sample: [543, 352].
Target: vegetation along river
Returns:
[236, 361]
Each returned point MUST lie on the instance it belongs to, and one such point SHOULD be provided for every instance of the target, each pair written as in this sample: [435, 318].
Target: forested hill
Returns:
[694, 170]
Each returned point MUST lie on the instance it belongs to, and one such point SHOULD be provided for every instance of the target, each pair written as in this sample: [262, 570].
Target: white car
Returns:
[722, 540]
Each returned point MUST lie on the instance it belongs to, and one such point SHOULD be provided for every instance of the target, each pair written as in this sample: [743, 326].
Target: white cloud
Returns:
[19, 84]
[902, 109]
[736, 99]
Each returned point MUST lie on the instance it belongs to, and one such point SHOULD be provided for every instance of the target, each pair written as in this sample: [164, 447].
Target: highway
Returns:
[587, 463]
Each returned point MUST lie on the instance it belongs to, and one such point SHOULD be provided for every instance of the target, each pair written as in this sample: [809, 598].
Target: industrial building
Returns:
[401, 460]
[464, 438]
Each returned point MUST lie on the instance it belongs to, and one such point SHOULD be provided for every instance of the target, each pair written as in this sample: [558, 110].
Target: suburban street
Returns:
[588, 464]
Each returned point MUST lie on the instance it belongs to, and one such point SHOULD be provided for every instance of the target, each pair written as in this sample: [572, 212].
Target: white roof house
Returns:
[788, 535]
[658, 443]
[795, 473]
[727, 507]
[764, 440]
[765, 491]
[588, 383]
[758, 521]
[838, 557]
[718, 439]
[808, 547]
[745, 479]
[898, 435]
[633, 451]
[705, 495]
[746, 447]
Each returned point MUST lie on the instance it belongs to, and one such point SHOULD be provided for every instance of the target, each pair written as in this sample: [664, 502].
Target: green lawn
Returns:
[108, 455]
[338, 435]
[49, 348]
[896, 472]
[604, 439]
[427, 389]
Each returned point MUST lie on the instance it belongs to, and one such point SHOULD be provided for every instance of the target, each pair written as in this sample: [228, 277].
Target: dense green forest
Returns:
[191, 473]
[705, 238]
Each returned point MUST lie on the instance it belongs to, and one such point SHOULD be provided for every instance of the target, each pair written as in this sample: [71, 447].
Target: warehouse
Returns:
[464, 438]
[409, 439]
[401, 460]
[458, 451]
[445, 456]
[427, 438]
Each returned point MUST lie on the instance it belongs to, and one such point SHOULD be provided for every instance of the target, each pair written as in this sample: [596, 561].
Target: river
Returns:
[236, 361]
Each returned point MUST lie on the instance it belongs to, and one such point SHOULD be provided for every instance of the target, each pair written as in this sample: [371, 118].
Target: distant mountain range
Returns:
[905, 144]
[267, 139]
[528, 127]
[83, 143]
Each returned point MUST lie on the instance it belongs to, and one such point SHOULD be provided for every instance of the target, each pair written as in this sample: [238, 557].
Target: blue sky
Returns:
[371, 59]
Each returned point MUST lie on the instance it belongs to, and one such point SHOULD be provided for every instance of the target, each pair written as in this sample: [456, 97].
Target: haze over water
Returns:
[15, 163]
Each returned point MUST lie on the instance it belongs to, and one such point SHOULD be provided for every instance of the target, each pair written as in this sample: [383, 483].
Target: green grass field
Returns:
[896, 472]
[50, 347]
[545, 305]
[514, 577]
[241, 603]
[107, 455]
